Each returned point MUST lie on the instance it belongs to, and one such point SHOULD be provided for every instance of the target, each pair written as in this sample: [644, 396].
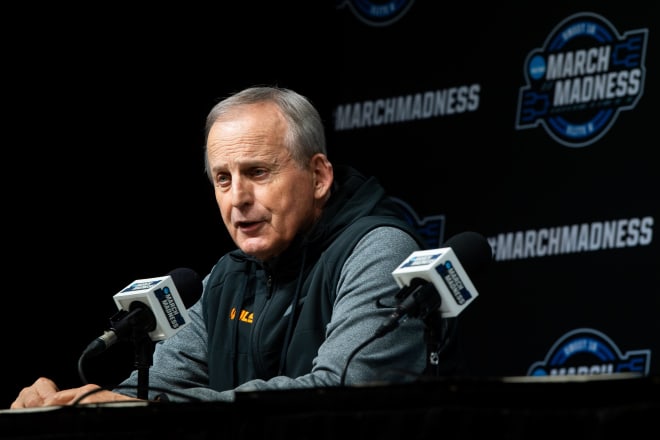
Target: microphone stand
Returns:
[433, 336]
[136, 325]
[421, 300]
[440, 334]
[143, 349]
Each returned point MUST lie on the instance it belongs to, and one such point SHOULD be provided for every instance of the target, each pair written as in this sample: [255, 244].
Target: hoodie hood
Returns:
[354, 195]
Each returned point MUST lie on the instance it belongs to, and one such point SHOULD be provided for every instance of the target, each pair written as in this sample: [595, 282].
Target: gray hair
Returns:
[306, 134]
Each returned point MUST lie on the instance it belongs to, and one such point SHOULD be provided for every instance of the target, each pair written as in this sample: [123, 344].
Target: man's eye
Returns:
[222, 179]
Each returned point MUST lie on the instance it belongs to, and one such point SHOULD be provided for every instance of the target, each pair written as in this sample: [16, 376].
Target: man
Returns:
[306, 286]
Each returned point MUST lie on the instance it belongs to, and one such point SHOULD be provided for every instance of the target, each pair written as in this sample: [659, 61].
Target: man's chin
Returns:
[257, 250]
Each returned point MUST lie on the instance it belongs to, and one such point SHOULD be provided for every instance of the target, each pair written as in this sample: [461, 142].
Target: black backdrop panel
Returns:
[572, 225]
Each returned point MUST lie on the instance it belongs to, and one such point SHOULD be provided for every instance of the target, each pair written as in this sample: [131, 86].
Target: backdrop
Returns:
[532, 126]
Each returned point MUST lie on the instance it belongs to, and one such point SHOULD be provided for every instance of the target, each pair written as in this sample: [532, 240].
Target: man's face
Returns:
[264, 197]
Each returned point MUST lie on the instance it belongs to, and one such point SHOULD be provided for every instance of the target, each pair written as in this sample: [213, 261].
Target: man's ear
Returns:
[323, 175]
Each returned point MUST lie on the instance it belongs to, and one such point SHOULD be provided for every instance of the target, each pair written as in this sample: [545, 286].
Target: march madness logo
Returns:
[587, 351]
[581, 79]
[376, 12]
[431, 228]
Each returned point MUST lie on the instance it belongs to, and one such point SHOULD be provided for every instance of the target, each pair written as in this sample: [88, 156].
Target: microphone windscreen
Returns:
[472, 250]
[188, 283]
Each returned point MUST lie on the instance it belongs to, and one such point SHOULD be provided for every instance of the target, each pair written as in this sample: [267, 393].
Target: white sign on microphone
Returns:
[441, 268]
[161, 297]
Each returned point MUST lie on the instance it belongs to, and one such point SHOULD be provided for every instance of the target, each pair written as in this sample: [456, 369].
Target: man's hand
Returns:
[44, 392]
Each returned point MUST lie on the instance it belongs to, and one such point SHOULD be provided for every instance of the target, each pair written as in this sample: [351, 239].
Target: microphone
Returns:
[438, 279]
[153, 306]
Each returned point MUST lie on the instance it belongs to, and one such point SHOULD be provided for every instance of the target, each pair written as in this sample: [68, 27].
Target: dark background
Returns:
[104, 179]
[104, 182]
